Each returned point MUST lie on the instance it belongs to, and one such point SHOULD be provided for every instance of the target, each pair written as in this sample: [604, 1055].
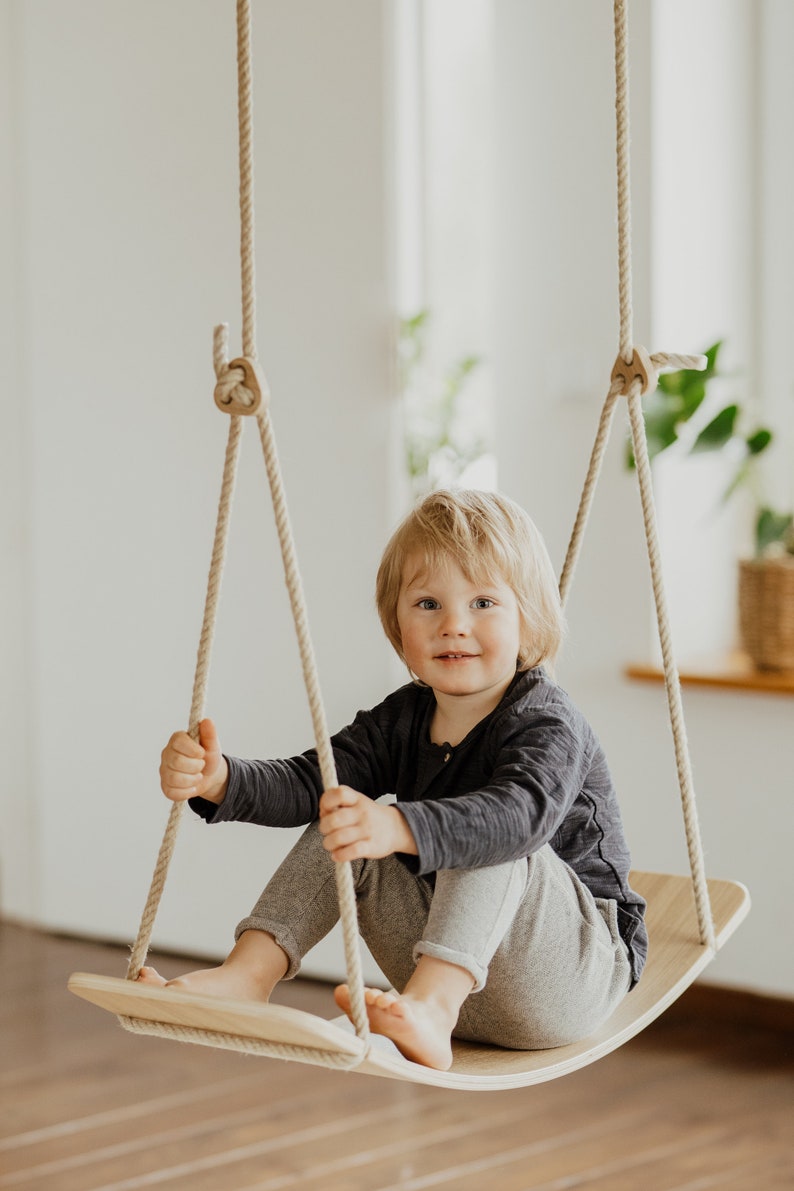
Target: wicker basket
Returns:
[766, 611]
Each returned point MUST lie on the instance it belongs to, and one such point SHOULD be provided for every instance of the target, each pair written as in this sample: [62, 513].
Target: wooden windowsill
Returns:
[732, 672]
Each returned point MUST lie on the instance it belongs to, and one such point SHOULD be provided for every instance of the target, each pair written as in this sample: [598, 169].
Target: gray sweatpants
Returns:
[546, 956]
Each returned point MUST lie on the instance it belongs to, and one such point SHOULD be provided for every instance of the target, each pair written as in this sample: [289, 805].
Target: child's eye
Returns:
[428, 604]
[483, 602]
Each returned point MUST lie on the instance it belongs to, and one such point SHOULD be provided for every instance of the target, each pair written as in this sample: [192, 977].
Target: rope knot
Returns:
[241, 386]
[640, 368]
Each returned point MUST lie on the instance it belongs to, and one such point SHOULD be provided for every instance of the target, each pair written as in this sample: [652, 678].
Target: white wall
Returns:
[705, 288]
[557, 333]
[775, 157]
[122, 151]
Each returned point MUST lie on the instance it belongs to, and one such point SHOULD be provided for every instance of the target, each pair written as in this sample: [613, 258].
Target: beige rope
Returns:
[661, 361]
[245, 126]
[624, 180]
[343, 872]
[588, 492]
[635, 372]
[239, 386]
[141, 945]
[319, 1056]
[672, 682]
[344, 879]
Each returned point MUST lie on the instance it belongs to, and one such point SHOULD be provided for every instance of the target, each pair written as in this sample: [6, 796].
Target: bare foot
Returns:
[249, 973]
[226, 981]
[420, 1029]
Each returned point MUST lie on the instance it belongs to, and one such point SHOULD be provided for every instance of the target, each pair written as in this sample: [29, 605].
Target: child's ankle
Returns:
[260, 958]
[440, 984]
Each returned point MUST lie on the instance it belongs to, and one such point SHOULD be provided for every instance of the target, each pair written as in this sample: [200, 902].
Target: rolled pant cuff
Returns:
[283, 936]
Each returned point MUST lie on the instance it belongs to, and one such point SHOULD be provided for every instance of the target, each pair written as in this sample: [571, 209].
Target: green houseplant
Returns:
[674, 413]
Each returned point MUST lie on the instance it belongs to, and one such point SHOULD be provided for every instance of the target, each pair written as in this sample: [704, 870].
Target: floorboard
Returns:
[699, 1101]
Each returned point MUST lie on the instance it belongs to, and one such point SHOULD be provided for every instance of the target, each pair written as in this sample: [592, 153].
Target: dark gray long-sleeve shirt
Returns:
[531, 773]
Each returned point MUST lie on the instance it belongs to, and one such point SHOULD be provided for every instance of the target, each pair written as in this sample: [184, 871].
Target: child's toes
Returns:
[151, 976]
[342, 997]
[396, 1007]
[376, 997]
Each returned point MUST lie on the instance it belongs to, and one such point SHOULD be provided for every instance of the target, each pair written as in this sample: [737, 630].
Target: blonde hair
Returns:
[485, 534]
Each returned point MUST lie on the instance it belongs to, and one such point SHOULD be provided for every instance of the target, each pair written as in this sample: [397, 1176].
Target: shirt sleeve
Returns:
[538, 770]
[286, 793]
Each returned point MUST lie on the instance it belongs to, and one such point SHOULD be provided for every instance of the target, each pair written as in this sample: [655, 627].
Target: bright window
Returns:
[443, 142]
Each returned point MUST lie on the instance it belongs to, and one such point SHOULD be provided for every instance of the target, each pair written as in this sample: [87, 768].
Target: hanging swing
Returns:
[688, 918]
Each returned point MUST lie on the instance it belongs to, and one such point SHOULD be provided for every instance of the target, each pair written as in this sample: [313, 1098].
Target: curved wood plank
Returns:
[676, 958]
[243, 1019]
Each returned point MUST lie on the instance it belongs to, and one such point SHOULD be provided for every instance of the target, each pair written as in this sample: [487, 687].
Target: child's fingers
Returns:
[172, 758]
[339, 820]
[179, 786]
[208, 736]
[341, 837]
[176, 763]
[189, 767]
[181, 767]
[336, 797]
[173, 780]
[184, 745]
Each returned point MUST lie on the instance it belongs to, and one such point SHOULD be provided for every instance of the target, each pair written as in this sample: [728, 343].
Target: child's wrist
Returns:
[217, 792]
[403, 836]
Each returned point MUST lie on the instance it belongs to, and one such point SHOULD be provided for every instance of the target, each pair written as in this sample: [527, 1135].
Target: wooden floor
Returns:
[694, 1103]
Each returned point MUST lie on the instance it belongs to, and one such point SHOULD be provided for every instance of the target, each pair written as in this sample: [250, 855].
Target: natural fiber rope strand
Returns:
[623, 125]
[344, 877]
[683, 763]
[141, 945]
[343, 872]
[292, 576]
[623, 179]
[245, 121]
[255, 1046]
[327, 765]
[672, 682]
[660, 360]
[588, 492]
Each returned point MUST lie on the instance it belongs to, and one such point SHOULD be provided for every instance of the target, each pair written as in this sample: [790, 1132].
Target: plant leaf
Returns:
[711, 355]
[771, 527]
[670, 383]
[660, 432]
[692, 395]
[718, 432]
[416, 322]
[759, 441]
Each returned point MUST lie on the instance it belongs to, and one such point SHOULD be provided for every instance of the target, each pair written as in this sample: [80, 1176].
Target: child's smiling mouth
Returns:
[455, 657]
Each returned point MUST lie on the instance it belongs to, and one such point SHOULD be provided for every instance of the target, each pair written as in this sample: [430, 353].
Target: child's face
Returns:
[459, 637]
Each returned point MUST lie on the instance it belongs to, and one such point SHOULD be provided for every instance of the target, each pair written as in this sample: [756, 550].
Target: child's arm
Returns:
[354, 827]
[286, 792]
[194, 770]
[510, 795]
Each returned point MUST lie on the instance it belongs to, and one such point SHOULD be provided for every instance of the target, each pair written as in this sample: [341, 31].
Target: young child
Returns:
[494, 892]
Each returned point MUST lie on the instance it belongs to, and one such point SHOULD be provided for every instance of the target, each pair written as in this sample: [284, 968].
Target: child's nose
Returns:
[455, 623]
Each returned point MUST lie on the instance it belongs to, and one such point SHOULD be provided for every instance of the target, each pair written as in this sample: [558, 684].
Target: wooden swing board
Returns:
[676, 958]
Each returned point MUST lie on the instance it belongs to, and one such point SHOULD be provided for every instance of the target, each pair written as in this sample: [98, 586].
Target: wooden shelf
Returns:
[732, 672]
